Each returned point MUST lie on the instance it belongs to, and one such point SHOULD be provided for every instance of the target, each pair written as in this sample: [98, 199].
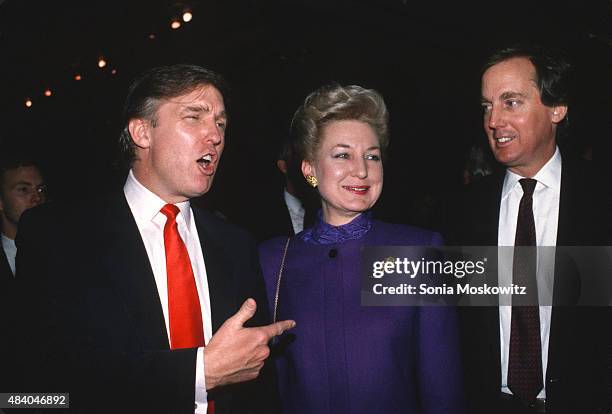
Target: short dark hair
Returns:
[12, 160]
[157, 84]
[552, 70]
[288, 153]
[336, 103]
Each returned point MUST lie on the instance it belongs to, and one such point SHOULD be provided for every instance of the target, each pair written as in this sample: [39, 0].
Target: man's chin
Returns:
[202, 189]
[505, 157]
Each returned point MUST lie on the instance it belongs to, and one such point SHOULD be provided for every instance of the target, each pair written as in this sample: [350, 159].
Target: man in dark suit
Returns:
[138, 302]
[534, 358]
[288, 212]
[21, 187]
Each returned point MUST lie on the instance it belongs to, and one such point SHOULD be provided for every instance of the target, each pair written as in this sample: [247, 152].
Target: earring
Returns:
[312, 181]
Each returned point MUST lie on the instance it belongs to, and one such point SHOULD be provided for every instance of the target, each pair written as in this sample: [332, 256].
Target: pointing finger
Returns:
[277, 328]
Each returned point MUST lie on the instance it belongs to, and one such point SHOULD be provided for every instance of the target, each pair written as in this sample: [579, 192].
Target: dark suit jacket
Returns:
[271, 217]
[7, 282]
[273, 220]
[6, 274]
[579, 337]
[94, 319]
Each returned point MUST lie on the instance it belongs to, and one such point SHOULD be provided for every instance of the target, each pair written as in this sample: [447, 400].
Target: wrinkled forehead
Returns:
[201, 98]
[203, 93]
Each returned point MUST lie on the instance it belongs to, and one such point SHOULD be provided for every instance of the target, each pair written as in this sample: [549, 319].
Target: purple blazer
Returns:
[346, 358]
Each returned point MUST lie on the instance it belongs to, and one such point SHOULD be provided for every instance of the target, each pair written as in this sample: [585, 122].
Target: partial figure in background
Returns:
[477, 165]
[299, 200]
[342, 357]
[22, 187]
[288, 212]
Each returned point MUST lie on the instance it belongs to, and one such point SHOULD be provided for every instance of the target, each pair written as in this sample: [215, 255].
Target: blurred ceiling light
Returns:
[187, 16]
[101, 62]
[151, 36]
[48, 92]
[114, 71]
[175, 24]
[28, 103]
[77, 77]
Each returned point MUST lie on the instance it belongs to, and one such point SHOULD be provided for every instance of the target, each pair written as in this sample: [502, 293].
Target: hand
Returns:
[235, 353]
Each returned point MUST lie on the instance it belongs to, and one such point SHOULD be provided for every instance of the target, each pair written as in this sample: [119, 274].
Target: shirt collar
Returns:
[293, 203]
[146, 205]
[8, 242]
[549, 175]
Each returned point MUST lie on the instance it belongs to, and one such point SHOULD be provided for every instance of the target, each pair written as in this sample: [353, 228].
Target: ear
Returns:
[139, 131]
[308, 169]
[282, 166]
[559, 113]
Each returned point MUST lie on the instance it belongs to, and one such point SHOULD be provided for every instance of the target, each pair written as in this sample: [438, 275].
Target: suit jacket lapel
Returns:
[6, 274]
[565, 207]
[572, 215]
[491, 210]
[491, 314]
[218, 263]
[128, 267]
[558, 322]
[490, 227]
[479, 221]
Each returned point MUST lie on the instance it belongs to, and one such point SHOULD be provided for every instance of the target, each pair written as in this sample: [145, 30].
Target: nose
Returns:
[37, 197]
[360, 168]
[495, 118]
[213, 132]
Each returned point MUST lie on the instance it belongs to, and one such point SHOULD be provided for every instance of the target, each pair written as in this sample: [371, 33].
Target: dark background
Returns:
[424, 57]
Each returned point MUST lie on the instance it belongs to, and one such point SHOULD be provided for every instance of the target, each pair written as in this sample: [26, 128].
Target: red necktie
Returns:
[525, 359]
[186, 327]
[185, 315]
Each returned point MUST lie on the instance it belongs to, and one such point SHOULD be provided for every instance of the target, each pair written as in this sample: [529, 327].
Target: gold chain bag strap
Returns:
[280, 275]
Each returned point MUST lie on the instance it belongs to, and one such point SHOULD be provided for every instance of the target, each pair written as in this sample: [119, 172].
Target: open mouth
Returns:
[504, 139]
[358, 189]
[206, 162]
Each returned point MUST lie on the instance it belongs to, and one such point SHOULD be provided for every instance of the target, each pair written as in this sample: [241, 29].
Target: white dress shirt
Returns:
[546, 216]
[296, 211]
[145, 207]
[10, 249]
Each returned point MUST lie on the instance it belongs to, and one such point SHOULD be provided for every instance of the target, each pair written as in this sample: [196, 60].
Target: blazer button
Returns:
[333, 253]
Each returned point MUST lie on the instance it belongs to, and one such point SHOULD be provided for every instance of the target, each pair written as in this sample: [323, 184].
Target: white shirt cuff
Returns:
[201, 403]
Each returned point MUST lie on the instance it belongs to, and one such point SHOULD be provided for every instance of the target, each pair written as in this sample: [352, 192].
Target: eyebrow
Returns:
[194, 108]
[505, 95]
[202, 108]
[223, 115]
[22, 182]
[348, 146]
